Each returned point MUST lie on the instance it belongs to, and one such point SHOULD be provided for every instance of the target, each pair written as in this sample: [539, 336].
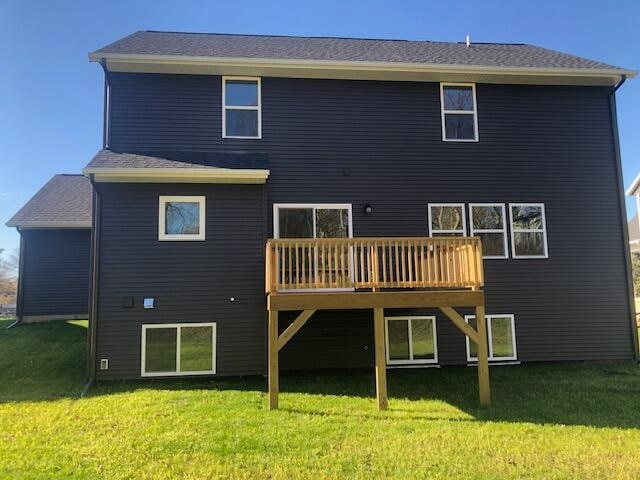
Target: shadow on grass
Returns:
[47, 362]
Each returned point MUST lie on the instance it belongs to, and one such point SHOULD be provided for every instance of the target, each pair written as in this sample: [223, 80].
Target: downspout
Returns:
[623, 215]
[20, 290]
[106, 109]
[93, 288]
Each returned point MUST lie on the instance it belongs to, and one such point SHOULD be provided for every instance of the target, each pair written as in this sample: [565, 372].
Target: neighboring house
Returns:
[55, 240]
[634, 234]
[215, 143]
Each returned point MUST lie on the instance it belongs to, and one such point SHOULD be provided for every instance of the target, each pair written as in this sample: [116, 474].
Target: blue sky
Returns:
[51, 96]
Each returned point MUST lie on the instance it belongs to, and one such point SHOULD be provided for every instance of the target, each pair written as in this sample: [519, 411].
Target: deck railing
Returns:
[373, 263]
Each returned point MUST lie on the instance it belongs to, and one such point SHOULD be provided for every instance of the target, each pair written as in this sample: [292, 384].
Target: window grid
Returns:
[515, 230]
[445, 112]
[257, 108]
[502, 231]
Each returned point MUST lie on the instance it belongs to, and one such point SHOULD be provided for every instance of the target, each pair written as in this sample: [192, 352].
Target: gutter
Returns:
[20, 292]
[354, 65]
[93, 289]
[623, 216]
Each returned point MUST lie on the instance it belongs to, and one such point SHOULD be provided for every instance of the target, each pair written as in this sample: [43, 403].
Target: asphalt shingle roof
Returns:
[65, 199]
[347, 49]
[177, 159]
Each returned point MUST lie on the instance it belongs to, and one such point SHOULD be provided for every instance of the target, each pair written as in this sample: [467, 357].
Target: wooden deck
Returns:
[374, 273]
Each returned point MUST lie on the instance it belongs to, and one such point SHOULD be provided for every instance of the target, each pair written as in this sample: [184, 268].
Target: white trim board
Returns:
[357, 70]
[177, 175]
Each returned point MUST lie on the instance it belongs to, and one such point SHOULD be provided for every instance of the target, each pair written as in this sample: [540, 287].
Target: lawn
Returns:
[560, 421]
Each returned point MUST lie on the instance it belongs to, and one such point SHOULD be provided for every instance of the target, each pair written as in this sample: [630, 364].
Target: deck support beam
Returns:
[274, 380]
[381, 359]
[483, 358]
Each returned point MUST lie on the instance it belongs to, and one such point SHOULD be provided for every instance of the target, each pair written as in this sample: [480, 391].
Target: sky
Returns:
[51, 96]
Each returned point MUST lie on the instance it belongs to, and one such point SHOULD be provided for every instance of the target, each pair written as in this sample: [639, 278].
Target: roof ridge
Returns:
[327, 37]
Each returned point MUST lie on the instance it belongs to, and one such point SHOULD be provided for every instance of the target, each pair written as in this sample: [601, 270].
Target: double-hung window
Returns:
[241, 107]
[489, 223]
[501, 338]
[411, 340]
[459, 112]
[447, 219]
[528, 230]
[178, 349]
[181, 218]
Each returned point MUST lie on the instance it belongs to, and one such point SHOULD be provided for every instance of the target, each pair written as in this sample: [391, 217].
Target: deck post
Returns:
[483, 358]
[381, 359]
[274, 381]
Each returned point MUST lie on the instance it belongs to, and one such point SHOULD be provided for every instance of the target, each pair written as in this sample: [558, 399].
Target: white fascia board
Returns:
[357, 65]
[633, 189]
[177, 175]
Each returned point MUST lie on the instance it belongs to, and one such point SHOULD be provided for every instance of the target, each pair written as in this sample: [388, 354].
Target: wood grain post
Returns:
[483, 358]
[274, 381]
[381, 359]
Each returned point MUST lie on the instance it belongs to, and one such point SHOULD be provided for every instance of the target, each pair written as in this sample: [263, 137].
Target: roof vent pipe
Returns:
[468, 41]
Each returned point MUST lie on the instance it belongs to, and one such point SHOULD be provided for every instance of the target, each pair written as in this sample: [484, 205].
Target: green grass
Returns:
[559, 421]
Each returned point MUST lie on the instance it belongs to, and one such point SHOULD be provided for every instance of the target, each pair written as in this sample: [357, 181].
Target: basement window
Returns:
[459, 112]
[501, 338]
[241, 107]
[528, 230]
[178, 349]
[181, 218]
[447, 219]
[411, 340]
[489, 223]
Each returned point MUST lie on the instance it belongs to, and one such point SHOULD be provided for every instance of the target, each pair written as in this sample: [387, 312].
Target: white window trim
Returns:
[464, 218]
[489, 319]
[476, 137]
[257, 108]
[178, 327]
[314, 206]
[503, 231]
[542, 230]
[162, 236]
[408, 318]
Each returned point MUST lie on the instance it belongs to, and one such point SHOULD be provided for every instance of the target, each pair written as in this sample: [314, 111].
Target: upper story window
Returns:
[181, 218]
[447, 219]
[241, 107]
[528, 230]
[459, 112]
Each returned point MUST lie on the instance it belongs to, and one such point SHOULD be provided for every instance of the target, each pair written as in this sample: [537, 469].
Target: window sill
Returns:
[413, 365]
[496, 363]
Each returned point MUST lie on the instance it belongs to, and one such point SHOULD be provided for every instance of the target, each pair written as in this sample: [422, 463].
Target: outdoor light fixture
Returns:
[368, 209]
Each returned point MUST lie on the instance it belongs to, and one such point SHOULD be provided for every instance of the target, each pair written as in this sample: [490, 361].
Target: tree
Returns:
[635, 266]
[8, 277]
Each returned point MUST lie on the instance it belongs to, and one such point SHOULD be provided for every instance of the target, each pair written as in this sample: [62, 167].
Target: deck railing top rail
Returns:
[295, 264]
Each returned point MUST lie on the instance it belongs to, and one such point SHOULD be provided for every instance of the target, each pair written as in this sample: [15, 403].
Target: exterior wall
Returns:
[359, 142]
[191, 281]
[55, 274]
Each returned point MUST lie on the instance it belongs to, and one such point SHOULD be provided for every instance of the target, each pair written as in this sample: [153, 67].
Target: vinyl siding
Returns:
[191, 281]
[55, 272]
[359, 142]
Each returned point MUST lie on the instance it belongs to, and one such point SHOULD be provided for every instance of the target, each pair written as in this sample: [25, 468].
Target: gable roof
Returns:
[65, 201]
[346, 49]
[152, 48]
